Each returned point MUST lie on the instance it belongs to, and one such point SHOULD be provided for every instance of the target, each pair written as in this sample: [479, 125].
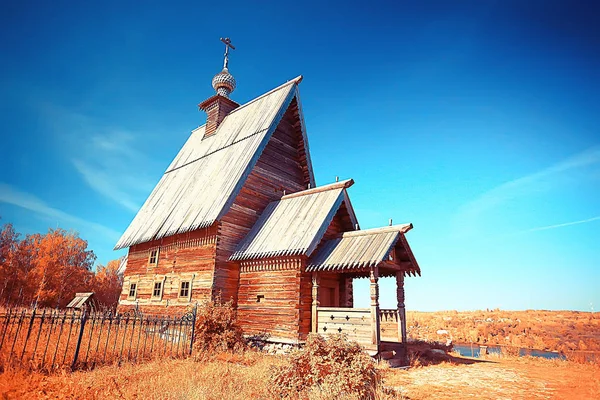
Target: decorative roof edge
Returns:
[336, 185]
[402, 228]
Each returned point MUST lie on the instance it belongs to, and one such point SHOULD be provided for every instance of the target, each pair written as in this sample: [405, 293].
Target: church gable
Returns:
[205, 177]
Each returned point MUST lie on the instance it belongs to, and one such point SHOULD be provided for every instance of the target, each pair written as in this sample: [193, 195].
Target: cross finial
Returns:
[228, 45]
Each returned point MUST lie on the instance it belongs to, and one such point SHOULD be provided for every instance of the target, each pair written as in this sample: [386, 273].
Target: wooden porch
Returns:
[371, 327]
[371, 254]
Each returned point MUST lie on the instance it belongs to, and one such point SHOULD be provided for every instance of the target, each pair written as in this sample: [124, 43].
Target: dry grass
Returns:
[51, 344]
[247, 376]
[228, 376]
[503, 377]
[331, 368]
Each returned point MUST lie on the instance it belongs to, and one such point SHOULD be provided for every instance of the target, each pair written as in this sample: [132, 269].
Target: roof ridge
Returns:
[336, 185]
[297, 79]
[402, 228]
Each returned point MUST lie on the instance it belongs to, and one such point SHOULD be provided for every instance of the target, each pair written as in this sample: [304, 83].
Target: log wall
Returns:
[270, 298]
[189, 256]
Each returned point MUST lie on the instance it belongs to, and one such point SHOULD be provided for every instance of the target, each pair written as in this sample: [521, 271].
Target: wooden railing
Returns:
[388, 325]
[354, 322]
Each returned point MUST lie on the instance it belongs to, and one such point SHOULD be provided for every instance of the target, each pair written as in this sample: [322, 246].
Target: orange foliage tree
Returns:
[43, 270]
[108, 283]
[9, 241]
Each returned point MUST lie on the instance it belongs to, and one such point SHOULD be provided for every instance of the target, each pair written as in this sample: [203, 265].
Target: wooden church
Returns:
[238, 215]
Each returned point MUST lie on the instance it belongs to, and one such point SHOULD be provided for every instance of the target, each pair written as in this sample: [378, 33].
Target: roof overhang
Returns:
[360, 251]
[296, 224]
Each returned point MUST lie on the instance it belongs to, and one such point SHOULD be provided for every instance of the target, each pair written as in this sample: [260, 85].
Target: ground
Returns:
[501, 378]
[246, 377]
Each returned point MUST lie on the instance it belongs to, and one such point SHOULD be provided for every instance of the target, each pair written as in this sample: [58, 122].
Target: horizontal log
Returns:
[344, 310]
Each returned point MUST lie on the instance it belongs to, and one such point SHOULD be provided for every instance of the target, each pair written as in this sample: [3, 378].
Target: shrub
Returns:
[217, 329]
[511, 351]
[330, 368]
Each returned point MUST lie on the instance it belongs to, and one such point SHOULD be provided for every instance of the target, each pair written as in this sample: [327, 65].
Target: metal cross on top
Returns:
[228, 45]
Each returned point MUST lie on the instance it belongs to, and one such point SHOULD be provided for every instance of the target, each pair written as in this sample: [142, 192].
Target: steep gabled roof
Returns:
[362, 249]
[295, 224]
[203, 180]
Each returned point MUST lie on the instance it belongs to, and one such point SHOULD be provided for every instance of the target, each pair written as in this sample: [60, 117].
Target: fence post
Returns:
[193, 328]
[28, 333]
[79, 338]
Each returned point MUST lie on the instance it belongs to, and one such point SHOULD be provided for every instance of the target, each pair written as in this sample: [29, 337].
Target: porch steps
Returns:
[394, 353]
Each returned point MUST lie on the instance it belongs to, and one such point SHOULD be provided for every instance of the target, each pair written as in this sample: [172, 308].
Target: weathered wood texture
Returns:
[358, 250]
[374, 288]
[280, 168]
[269, 299]
[354, 322]
[207, 173]
[388, 325]
[189, 256]
[216, 108]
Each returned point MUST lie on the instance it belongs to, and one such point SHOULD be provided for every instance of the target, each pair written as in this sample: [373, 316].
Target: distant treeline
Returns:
[46, 270]
[563, 331]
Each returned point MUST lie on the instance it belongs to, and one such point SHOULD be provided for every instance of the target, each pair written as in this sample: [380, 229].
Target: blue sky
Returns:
[476, 121]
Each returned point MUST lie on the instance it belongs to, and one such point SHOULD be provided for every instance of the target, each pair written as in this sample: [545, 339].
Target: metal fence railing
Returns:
[53, 339]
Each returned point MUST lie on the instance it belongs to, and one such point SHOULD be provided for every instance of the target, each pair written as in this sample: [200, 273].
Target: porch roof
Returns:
[296, 223]
[364, 249]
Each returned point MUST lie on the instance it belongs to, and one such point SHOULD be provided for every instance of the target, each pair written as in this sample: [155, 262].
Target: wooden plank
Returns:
[344, 310]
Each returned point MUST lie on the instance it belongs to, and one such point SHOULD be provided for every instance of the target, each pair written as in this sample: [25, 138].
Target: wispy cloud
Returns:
[540, 181]
[27, 201]
[544, 228]
[99, 180]
[105, 157]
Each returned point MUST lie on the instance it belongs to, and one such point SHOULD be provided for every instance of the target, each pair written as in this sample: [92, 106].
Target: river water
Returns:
[473, 351]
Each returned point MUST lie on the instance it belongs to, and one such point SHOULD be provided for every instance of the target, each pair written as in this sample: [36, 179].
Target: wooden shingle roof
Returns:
[80, 300]
[360, 249]
[295, 224]
[208, 172]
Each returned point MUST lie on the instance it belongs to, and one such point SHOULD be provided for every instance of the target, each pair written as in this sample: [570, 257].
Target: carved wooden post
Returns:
[315, 301]
[401, 307]
[348, 298]
[375, 307]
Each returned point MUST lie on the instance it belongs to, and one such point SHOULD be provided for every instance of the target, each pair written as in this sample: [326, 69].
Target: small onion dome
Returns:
[224, 83]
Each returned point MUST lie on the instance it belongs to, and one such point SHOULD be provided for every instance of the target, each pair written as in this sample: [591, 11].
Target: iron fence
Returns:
[52, 339]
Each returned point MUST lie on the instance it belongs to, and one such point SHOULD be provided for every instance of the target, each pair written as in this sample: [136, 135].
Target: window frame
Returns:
[189, 289]
[162, 289]
[153, 254]
[133, 285]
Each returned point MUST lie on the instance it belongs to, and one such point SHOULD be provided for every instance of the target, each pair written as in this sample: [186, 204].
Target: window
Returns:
[157, 291]
[184, 289]
[153, 259]
[132, 290]
[260, 298]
